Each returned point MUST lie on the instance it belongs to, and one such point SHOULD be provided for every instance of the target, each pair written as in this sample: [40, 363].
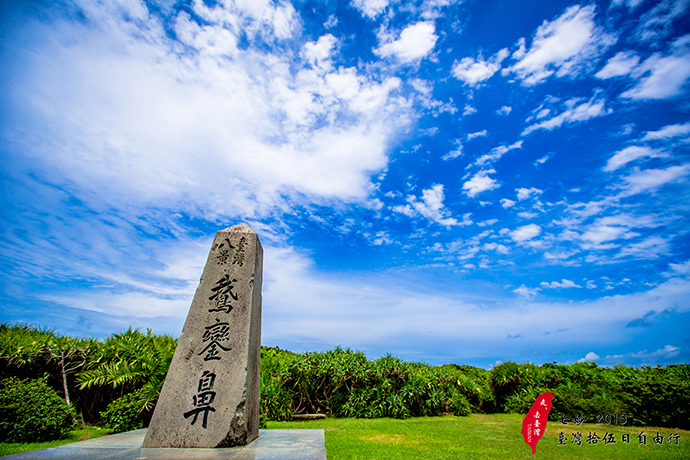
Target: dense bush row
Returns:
[345, 383]
[116, 382]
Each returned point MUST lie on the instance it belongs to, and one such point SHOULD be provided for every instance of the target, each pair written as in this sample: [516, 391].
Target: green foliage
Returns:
[658, 396]
[33, 412]
[343, 382]
[131, 361]
[123, 414]
[24, 345]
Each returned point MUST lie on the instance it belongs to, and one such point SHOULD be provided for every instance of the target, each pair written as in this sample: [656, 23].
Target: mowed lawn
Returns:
[484, 437]
[82, 434]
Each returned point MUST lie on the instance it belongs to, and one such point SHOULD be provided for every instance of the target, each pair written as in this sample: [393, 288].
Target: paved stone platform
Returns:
[270, 445]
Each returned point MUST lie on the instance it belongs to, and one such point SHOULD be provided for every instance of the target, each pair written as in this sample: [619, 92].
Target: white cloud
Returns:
[562, 46]
[663, 77]
[525, 233]
[524, 291]
[668, 132]
[573, 113]
[632, 4]
[681, 269]
[473, 72]
[499, 248]
[526, 193]
[431, 206]
[482, 133]
[565, 284]
[406, 209]
[370, 8]
[647, 249]
[657, 23]
[591, 356]
[542, 160]
[651, 179]
[468, 110]
[318, 53]
[668, 354]
[479, 183]
[622, 63]
[496, 153]
[601, 233]
[505, 110]
[415, 42]
[453, 153]
[506, 203]
[125, 112]
[629, 154]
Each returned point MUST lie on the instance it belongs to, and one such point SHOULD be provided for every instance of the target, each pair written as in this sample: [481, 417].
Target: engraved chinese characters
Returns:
[203, 400]
[211, 393]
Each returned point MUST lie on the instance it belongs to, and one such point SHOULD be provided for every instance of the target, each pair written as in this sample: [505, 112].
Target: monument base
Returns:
[270, 445]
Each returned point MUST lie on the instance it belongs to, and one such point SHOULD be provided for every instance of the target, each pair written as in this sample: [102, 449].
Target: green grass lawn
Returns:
[89, 432]
[484, 437]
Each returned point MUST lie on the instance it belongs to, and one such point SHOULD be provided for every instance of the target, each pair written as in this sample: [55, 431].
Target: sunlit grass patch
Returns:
[82, 434]
[481, 436]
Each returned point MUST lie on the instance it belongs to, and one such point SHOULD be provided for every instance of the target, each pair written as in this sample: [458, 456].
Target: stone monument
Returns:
[211, 393]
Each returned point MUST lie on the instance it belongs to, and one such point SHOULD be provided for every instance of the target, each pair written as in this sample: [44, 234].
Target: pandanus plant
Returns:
[132, 361]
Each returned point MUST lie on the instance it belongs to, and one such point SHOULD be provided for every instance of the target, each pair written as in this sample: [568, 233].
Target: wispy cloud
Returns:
[621, 64]
[651, 179]
[370, 8]
[561, 46]
[525, 233]
[663, 77]
[668, 132]
[574, 111]
[160, 124]
[473, 72]
[496, 153]
[630, 154]
[430, 206]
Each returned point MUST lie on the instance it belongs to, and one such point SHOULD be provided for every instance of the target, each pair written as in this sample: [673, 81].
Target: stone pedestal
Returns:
[270, 445]
[211, 393]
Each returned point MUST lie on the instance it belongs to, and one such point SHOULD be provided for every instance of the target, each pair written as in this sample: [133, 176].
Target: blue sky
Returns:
[445, 181]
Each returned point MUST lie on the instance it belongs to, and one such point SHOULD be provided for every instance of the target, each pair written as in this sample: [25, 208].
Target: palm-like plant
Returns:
[25, 346]
[132, 361]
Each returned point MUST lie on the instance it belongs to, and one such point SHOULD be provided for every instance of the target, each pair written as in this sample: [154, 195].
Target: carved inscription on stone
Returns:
[211, 393]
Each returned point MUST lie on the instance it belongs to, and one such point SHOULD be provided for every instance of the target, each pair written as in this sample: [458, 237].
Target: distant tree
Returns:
[71, 354]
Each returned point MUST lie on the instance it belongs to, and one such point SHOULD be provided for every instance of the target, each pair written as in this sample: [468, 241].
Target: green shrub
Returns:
[459, 404]
[658, 396]
[123, 414]
[276, 401]
[33, 412]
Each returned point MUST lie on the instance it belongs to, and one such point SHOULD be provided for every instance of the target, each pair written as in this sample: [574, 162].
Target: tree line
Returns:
[116, 382]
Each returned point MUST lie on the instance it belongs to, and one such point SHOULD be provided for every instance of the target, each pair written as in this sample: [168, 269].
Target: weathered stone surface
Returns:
[211, 393]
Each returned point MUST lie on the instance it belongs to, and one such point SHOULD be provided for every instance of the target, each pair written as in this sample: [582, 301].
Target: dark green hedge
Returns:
[33, 412]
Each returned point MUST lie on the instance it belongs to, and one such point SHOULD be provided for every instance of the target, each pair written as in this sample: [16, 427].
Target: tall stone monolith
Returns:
[211, 393]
